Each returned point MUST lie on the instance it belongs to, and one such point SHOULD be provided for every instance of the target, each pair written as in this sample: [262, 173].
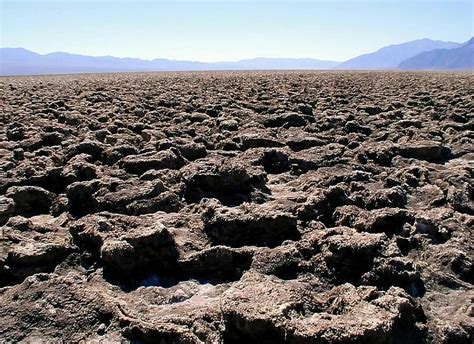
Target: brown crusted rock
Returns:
[40, 171]
[58, 307]
[451, 316]
[196, 117]
[79, 168]
[349, 254]
[316, 157]
[92, 148]
[322, 202]
[427, 150]
[249, 141]
[15, 131]
[217, 263]
[398, 272]
[80, 196]
[113, 154]
[230, 182]
[371, 109]
[229, 124]
[117, 198]
[192, 151]
[112, 195]
[364, 315]
[414, 175]
[346, 215]
[426, 197]
[33, 245]
[286, 120]
[299, 143]
[118, 253]
[379, 153]
[259, 307]
[187, 312]
[30, 199]
[387, 198]
[7, 208]
[435, 224]
[386, 220]
[127, 244]
[166, 201]
[462, 199]
[271, 310]
[285, 261]
[138, 164]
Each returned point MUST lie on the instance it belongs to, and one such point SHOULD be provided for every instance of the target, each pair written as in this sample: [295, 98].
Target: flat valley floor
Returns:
[237, 207]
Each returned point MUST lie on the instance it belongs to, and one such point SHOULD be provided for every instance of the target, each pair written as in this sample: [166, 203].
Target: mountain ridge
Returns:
[390, 56]
[461, 58]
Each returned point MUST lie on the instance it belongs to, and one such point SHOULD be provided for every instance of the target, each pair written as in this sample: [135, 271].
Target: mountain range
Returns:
[19, 61]
[424, 54]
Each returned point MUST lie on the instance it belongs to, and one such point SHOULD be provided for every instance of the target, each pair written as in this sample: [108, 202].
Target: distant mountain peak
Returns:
[459, 58]
[391, 56]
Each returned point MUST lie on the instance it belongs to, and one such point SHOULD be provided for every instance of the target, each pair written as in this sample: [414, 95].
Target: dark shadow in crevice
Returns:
[239, 330]
[275, 162]
[205, 269]
[230, 190]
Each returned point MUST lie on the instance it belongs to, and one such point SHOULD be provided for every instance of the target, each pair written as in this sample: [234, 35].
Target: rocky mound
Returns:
[237, 207]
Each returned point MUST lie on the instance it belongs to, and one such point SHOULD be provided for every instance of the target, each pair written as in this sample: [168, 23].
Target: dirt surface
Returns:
[298, 207]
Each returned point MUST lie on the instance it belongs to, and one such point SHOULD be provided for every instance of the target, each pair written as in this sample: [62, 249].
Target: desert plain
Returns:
[237, 207]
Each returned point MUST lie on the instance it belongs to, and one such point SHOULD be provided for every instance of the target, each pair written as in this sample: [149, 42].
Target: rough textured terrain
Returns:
[237, 207]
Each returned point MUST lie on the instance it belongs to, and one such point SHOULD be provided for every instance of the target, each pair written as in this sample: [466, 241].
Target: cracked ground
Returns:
[232, 207]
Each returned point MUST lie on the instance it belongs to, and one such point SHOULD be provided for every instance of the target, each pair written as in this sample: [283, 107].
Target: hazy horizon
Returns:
[216, 31]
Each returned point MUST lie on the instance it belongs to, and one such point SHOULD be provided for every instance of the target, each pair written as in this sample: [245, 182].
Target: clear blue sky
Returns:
[229, 30]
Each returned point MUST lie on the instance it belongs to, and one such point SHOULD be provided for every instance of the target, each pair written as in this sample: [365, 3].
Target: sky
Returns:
[229, 30]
